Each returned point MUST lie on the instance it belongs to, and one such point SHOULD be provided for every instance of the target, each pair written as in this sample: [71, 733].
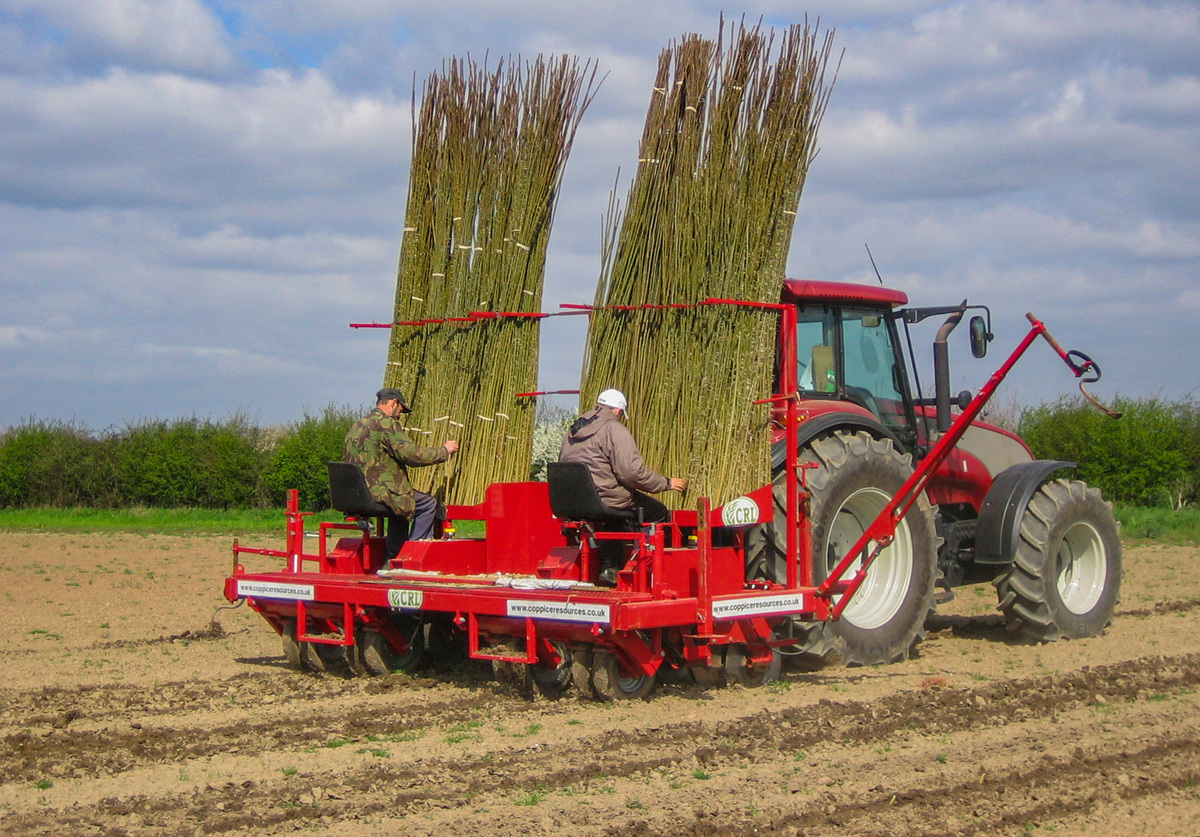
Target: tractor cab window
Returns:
[871, 376]
[816, 342]
[850, 354]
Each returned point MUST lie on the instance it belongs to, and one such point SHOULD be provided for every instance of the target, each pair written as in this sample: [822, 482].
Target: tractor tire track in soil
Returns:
[162, 729]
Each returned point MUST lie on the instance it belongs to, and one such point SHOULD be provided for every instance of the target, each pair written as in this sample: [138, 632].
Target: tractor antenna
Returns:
[872, 258]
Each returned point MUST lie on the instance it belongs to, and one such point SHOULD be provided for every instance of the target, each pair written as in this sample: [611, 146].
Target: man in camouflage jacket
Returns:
[381, 449]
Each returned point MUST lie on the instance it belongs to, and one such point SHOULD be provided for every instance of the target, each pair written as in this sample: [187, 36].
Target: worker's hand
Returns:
[678, 484]
[450, 445]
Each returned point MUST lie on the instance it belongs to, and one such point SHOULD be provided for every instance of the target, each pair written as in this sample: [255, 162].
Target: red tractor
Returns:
[989, 512]
[880, 497]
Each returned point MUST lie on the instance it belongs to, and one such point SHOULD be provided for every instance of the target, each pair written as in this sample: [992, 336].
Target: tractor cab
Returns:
[846, 358]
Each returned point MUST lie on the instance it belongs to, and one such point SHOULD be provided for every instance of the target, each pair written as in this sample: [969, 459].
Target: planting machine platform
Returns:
[879, 498]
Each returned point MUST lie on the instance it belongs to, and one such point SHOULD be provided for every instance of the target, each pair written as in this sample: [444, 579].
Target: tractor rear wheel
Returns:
[885, 620]
[1065, 579]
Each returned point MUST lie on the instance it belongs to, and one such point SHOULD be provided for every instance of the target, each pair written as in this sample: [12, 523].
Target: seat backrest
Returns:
[573, 495]
[348, 492]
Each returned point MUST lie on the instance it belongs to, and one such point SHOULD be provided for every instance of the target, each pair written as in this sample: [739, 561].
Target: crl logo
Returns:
[406, 599]
[740, 512]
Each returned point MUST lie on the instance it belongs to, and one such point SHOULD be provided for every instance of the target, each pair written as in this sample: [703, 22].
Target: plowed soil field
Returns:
[132, 705]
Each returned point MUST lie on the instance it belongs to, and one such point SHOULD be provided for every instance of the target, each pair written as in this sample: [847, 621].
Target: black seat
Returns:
[573, 495]
[348, 492]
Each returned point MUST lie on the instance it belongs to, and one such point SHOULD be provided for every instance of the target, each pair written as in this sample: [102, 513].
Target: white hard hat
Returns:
[612, 398]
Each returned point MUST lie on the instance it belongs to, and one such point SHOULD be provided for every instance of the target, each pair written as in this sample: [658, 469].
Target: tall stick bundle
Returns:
[728, 139]
[489, 152]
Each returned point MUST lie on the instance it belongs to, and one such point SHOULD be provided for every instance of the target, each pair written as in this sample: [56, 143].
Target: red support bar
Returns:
[573, 309]
[704, 546]
[742, 303]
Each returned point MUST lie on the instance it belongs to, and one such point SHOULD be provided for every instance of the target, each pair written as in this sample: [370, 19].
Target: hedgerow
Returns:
[191, 462]
[1150, 457]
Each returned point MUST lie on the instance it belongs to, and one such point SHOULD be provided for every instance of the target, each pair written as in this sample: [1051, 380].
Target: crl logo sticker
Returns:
[406, 599]
[740, 512]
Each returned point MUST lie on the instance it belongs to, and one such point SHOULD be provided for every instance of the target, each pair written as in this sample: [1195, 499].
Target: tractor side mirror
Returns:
[979, 336]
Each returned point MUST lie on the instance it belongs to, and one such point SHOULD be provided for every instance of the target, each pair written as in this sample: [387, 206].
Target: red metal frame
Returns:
[692, 596]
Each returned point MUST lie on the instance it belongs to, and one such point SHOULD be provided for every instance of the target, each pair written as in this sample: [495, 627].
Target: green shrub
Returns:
[299, 456]
[1149, 457]
[54, 463]
[191, 463]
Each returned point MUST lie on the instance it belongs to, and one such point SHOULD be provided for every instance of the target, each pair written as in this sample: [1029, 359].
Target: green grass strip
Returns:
[1137, 523]
[160, 521]
[177, 521]
[1158, 524]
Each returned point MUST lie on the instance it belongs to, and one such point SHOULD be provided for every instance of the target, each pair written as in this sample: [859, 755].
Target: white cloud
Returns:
[128, 139]
[163, 35]
[196, 199]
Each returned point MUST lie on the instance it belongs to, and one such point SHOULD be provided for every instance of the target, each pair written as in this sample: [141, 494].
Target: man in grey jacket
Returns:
[600, 441]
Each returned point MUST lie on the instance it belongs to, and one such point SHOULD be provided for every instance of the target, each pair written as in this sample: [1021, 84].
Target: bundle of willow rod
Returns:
[489, 151]
[728, 138]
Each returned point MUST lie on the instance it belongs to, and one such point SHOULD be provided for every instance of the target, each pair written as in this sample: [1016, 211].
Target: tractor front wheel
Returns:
[1066, 576]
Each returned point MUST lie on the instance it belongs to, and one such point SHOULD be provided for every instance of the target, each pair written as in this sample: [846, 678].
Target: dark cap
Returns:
[390, 394]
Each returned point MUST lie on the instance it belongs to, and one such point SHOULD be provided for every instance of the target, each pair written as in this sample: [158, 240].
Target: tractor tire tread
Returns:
[1029, 600]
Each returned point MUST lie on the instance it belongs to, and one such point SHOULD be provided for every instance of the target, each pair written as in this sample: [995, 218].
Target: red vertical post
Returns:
[295, 530]
[793, 493]
[789, 387]
[704, 548]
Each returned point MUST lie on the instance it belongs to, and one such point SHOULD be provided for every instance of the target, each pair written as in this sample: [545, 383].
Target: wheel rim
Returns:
[610, 683]
[884, 589]
[630, 685]
[1082, 568]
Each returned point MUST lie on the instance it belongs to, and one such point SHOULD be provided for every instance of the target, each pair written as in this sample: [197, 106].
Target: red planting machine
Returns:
[882, 503]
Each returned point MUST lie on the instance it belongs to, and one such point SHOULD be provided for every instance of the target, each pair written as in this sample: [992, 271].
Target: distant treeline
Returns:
[182, 463]
[188, 463]
[1150, 457]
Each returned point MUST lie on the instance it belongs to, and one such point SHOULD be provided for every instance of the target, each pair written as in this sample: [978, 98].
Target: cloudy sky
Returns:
[197, 198]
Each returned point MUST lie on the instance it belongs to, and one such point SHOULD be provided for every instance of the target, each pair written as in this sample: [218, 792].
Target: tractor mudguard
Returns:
[999, 523]
[825, 423]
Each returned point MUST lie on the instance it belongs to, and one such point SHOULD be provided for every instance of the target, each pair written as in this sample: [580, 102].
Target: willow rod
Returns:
[730, 132]
[489, 151]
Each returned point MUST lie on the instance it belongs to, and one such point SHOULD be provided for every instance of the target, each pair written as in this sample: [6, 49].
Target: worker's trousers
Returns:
[401, 529]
